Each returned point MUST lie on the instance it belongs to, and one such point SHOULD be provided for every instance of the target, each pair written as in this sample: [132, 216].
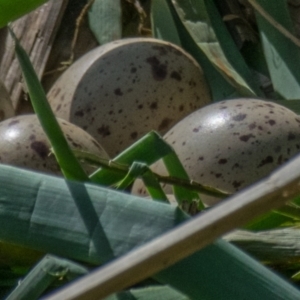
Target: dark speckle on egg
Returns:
[153, 105]
[222, 161]
[165, 122]
[40, 148]
[175, 75]
[239, 117]
[237, 184]
[104, 131]
[118, 92]
[79, 113]
[159, 70]
[268, 160]
[133, 135]
[271, 122]
[291, 136]
[246, 137]
[14, 122]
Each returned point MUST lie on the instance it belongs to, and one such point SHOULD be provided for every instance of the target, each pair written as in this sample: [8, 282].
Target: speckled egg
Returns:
[6, 108]
[23, 143]
[231, 144]
[120, 91]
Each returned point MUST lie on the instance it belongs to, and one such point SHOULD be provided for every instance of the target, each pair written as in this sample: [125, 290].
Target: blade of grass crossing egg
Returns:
[149, 149]
[105, 20]
[70, 166]
[176, 169]
[281, 53]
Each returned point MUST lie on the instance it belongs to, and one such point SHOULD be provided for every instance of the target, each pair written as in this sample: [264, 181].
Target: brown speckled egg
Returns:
[23, 143]
[231, 144]
[6, 108]
[120, 91]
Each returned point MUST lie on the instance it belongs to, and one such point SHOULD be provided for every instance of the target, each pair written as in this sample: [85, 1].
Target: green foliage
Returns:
[105, 20]
[13, 9]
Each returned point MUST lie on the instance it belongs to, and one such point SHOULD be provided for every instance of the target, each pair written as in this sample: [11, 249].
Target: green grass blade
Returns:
[270, 220]
[152, 184]
[123, 170]
[230, 50]
[282, 55]
[162, 22]
[149, 293]
[254, 57]
[176, 169]
[105, 20]
[82, 221]
[70, 166]
[148, 150]
[47, 271]
[219, 86]
[195, 19]
[293, 105]
[13, 9]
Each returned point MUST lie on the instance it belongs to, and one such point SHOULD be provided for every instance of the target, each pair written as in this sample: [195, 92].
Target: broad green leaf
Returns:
[89, 223]
[162, 22]
[67, 161]
[149, 293]
[230, 50]
[220, 88]
[282, 55]
[254, 57]
[47, 271]
[105, 20]
[13, 9]
[194, 17]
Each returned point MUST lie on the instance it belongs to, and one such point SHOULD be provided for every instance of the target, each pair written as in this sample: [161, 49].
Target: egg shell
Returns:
[120, 91]
[6, 108]
[23, 143]
[231, 144]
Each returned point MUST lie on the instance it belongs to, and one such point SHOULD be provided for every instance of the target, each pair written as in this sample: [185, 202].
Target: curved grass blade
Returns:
[282, 55]
[68, 163]
[148, 150]
[230, 50]
[105, 20]
[176, 169]
[10, 10]
[47, 271]
[194, 17]
[162, 22]
[142, 170]
[220, 88]
[123, 170]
